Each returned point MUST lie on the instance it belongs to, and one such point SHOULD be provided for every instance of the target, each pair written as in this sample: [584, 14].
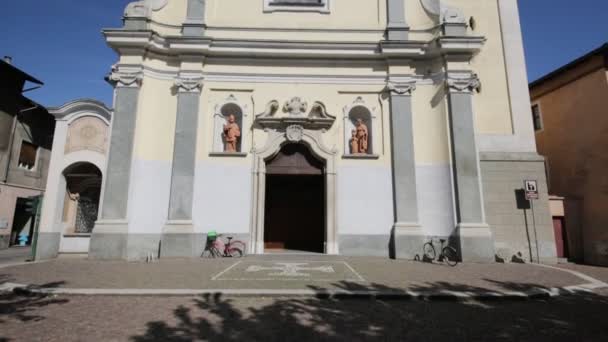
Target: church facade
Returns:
[351, 127]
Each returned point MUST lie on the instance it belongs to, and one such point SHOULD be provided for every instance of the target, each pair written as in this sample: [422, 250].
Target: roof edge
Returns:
[602, 50]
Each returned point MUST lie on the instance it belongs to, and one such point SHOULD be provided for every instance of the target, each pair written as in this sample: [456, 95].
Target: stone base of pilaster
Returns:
[178, 240]
[407, 241]
[109, 240]
[193, 28]
[47, 245]
[476, 243]
[397, 33]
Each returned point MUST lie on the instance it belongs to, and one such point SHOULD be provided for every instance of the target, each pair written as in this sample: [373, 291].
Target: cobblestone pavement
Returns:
[579, 317]
[287, 272]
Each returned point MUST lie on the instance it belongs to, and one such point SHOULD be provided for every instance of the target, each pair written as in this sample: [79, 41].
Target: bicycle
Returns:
[217, 248]
[448, 253]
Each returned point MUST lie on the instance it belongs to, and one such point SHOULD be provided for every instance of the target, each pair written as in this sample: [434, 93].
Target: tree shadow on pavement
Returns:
[214, 318]
[22, 304]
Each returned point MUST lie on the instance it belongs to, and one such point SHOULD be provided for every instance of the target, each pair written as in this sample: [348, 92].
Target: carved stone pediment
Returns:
[316, 119]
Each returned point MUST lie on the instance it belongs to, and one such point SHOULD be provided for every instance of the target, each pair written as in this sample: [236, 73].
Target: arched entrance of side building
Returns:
[81, 201]
[294, 218]
[78, 161]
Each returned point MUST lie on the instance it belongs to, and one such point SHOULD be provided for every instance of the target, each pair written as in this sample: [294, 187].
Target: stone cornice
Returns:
[127, 41]
[81, 106]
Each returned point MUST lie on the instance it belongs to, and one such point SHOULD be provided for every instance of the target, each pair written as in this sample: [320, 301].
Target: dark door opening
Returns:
[295, 213]
[294, 217]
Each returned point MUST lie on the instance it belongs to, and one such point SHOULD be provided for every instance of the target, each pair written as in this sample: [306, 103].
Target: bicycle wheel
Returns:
[239, 245]
[216, 252]
[207, 253]
[429, 251]
[235, 252]
[450, 256]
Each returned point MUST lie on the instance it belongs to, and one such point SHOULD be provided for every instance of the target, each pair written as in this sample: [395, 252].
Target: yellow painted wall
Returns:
[492, 108]
[345, 14]
[155, 125]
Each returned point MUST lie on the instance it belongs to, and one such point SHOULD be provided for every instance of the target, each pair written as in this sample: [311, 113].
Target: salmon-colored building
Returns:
[570, 112]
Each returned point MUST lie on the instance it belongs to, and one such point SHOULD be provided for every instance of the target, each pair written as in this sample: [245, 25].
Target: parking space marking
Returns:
[355, 272]
[226, 270]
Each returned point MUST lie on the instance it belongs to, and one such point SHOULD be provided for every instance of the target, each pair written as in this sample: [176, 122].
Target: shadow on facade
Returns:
[213, 318]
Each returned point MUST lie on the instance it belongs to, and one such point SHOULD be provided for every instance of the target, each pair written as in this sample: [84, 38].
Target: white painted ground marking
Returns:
[226, 270]
[355, 272]
[593, 283]
[290, 269]
[24, 263]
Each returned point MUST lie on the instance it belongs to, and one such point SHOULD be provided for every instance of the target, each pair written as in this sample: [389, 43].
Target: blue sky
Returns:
[60, 42]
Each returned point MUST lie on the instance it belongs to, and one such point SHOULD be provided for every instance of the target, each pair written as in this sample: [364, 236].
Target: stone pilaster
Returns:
[476, 242]
[407, 233]
[195, 18]
[177, 237]
[397, 27]
[110, 233]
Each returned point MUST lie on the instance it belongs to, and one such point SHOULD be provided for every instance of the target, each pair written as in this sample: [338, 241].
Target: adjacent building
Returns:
[26, 135]
[570, 114]
[350, 127]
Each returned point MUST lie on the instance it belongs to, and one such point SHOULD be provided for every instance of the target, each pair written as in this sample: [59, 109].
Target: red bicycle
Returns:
[216, 247]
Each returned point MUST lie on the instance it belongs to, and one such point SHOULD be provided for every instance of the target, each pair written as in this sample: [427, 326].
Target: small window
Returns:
[28, 155]
[321, 6]
[297, 2]
[536, 118]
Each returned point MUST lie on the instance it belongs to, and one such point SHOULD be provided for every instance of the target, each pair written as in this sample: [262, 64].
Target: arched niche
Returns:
[81, 184]
[222, 111]
[359, 110]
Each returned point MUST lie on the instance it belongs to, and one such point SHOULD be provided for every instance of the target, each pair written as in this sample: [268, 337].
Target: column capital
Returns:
[189, 84]
[401, 87]
[131, 78]
[462, 81]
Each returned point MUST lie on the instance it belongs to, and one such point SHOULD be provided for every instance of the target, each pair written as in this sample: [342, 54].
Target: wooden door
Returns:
[560, 237]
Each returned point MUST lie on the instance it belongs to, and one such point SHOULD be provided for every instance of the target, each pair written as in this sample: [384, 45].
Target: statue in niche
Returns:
[362, 135]
[354, 142]
[232, 133]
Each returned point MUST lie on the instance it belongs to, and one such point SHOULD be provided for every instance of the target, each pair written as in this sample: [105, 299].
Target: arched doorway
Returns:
[294, 213]
[81, 201]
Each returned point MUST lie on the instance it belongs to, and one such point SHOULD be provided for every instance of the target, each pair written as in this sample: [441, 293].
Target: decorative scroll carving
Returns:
[462, 82]
[294, 133]
[401, 88]
[126, 78]
[317, 118]
[295, 106]
[445, 13]
[143, 8]
[189, 84]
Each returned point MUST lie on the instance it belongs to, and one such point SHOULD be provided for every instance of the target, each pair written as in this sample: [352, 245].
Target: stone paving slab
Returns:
[289, 275]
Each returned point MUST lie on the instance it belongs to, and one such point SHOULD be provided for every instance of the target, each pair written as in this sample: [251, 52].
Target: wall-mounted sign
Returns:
[3, 223]
[531, 188]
